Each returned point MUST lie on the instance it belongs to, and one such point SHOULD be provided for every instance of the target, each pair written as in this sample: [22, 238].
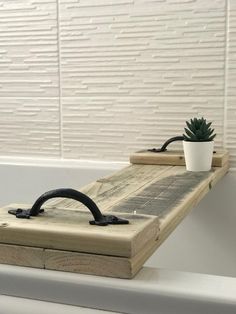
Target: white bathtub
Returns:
[194, 271]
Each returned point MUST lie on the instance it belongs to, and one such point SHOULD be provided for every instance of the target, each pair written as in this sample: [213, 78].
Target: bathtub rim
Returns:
[62, 163]
[152, 286]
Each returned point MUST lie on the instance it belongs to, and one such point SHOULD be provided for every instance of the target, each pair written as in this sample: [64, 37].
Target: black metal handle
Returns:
[164, 146]
[99, 218]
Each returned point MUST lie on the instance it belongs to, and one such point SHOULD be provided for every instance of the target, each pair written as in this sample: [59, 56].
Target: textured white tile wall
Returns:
[230, 103]
[29, 102]
[133, 71]
[29, 127]
[97, 79]
[28, 48]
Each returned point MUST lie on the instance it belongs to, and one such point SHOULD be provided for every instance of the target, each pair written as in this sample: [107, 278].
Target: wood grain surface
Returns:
[173, 157]
[21, 256]
[154, 198]
[70, 230]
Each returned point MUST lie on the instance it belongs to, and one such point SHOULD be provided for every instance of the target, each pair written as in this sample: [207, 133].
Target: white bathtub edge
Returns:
[15, 305]
[171, 292]
[62, 163]
[66, 163]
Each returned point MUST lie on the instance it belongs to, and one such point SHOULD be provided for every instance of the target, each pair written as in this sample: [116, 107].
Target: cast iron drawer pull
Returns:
[99, 218]
[164, 146]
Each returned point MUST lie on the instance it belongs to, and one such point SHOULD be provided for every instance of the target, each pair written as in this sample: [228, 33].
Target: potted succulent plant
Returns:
[198, 144]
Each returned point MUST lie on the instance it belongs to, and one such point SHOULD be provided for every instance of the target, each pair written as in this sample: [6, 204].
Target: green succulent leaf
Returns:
[189, 133]
[185, 137]
[191, 127]
[198, 129]
[212, 137]
[208, 125]
[209, 132]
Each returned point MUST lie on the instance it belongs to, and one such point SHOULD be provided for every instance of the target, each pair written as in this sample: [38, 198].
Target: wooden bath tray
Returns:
[154, 198]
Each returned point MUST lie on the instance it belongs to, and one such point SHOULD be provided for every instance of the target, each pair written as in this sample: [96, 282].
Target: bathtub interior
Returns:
[203, 243]
[24, 183]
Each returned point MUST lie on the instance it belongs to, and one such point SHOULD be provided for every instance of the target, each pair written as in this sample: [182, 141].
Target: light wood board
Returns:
[84, 263]
[173, 157]
[70, 230]
[155, 198]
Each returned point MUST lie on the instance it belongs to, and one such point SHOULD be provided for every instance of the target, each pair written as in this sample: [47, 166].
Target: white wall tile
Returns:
[28, 48]
[124, 74]
[29, 127]
[111, 128]
[29, 119]
[133, 71]
[231, 83]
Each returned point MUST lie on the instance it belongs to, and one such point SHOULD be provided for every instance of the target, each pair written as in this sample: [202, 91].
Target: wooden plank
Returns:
[70, 230]
[109, 266]
[192, 198]
[21, 256]
[168, 224]
[171, 220]
[154, 198]
[175, 158]
[111, 189]
[162, 196]
[179, 207]
[100, 265]
[84, 263]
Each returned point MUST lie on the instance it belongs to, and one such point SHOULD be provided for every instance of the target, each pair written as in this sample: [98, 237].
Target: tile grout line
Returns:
[226, 75]
[59, 80]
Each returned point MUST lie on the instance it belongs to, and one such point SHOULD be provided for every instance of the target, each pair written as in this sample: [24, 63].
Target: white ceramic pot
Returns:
[198, 155]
